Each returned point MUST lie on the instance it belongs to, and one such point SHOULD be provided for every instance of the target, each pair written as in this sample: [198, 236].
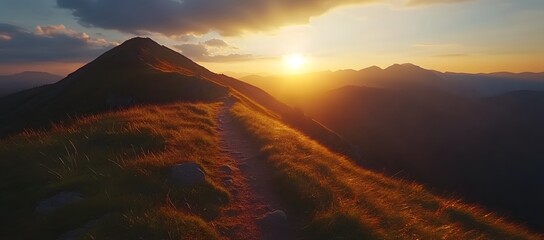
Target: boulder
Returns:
[58, 201]
[188, 173]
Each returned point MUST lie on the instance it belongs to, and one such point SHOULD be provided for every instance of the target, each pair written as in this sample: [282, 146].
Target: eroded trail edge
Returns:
[254, 212]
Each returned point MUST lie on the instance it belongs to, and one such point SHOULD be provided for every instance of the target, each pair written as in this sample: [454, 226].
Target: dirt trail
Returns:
[249, 182]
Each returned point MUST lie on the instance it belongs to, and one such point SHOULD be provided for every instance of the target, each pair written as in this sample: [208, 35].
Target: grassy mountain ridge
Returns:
[119, 163]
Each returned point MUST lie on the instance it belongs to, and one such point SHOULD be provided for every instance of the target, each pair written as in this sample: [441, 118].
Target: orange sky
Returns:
[447, 35]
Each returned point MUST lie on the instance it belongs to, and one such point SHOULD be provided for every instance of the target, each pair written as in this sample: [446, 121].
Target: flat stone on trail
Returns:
[226, 169]
[58, 201]
[188, 173]
[227, 182]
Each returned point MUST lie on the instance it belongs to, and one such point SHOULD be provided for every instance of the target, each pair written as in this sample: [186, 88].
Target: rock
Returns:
[188, 173]
[58, 201]
[273, 221]
[227, 182]
[226, 169]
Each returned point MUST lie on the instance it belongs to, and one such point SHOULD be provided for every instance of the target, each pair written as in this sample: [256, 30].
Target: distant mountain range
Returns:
[403, 77]
[10, 84]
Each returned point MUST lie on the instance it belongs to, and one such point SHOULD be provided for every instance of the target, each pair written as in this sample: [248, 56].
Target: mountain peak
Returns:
[145, 53]
[372, 68]
[138, 45]
[139, 42]
[410, 65]
[406, 66]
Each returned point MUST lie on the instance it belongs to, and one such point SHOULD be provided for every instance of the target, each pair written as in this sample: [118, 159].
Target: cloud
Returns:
[59, 30]
[201, 52]
[216, 43]
[4, 37]
[193, 51]
[175, 17]
[48, 43]
[427, 2]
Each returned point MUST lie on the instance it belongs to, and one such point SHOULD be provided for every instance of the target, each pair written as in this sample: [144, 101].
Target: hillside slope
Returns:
[119, 166]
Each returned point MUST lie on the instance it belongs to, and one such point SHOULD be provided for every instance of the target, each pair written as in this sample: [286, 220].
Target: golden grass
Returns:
[338, 200]
[119, 162]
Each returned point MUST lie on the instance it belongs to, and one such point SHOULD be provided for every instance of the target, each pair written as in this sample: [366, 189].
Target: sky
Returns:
[241, 37]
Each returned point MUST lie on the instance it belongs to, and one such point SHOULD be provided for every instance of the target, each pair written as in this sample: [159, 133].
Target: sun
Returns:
[294, 61]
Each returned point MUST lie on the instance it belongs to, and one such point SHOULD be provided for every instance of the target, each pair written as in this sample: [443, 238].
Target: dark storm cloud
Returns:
[201, 52]
[174, 17]
[47, 43]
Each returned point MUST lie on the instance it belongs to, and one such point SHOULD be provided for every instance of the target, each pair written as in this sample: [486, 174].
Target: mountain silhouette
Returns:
[139, 72]
[10, 84]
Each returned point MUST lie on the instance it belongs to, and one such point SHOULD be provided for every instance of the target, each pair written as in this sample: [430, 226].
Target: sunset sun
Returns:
[294, 62]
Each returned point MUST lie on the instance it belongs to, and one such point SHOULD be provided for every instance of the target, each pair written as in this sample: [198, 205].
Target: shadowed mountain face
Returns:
[140, 71]
[486, 150]
[10, 84]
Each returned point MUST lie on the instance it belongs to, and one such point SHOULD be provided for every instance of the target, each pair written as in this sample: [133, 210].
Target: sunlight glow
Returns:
[294, 61]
